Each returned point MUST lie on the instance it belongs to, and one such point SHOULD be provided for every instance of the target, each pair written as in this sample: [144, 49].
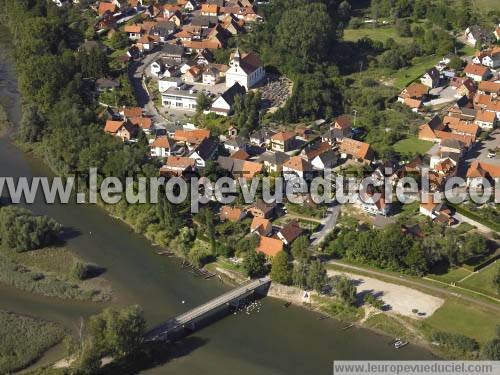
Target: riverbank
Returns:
[23, 340]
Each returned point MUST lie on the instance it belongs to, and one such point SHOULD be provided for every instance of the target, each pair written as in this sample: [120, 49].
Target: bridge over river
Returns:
[189, 319]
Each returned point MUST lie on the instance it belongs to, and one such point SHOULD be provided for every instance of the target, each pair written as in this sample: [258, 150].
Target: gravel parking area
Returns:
[399, 299]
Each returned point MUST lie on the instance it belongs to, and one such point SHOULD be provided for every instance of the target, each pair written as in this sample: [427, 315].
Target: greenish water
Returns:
[274, 341]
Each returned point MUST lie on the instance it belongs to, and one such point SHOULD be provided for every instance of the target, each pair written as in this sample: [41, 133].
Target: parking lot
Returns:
[492, 143]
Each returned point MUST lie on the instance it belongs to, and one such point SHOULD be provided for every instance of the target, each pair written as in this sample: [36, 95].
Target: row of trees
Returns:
[389, 249]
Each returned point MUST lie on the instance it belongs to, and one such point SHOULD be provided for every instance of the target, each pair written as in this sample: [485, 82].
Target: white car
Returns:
[492, 154]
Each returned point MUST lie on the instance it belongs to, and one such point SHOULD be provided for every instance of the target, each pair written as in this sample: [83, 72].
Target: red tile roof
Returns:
[269, 246]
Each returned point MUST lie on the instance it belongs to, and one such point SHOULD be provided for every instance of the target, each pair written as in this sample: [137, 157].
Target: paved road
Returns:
[328, 224]
[406, 281]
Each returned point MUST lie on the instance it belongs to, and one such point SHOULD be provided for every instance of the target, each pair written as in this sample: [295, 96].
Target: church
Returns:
[244, 68]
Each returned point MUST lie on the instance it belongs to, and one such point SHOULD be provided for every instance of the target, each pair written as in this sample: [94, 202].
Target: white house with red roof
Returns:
[246, 69]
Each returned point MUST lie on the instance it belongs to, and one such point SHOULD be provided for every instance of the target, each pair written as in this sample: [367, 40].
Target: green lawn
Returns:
[412, 145]
[379, 34]
[453, 275]
[469, 320]
[403, 77]
[486, 5]
[482, 281]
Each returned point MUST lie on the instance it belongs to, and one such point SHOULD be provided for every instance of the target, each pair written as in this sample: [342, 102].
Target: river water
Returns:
[273, 341]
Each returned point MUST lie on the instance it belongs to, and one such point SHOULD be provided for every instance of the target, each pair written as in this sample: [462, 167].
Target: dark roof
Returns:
[173, 50]
[291, 231]
[277, 157]
[263, 206]
[206, 148]
[206, 21]
[231, 93]
[452, 143]
[225, 163]
[328, 156]
[219, 3]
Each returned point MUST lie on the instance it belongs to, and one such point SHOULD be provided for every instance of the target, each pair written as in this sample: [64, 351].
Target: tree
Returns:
[456, 63]
[117, 332]
[474, 245]
[300, 249]
[491, 350]
[344, 289]
[373, 301]
[21, 230]
[32, 124]
[280, 269]
[316, 276]
[203, 102]
[119, 40]
[312, 30]
[403, 27]
[496, 279]
[299, 274]
[254, 263]
[415, 260]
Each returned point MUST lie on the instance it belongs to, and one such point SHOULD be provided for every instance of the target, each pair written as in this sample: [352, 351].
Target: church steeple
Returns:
[236, 58]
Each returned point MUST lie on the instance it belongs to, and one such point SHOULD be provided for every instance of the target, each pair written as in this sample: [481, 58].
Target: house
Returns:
[477, 72]
[211, 76]
[164, 83]
[193, 75]
[431, 78]
[163, 147]
[457, 126]
[232, 214]
[262, 226]
[375, 207]
[273, 161]
[223, 105]
[269, 246]
[129, 112]
[209, 10]
[177, 98]
[106, 84]
[414, 91]
[296, 166]
[246, 169]
[325, 160]
[244, 68]
[489, 88]
[262, 209]
[357, 150]
[147, 42]
[482, 169]
[475, 34]
[261, 137]
[143, 123]
[290, 232]
[191, 137]
[189, 5]
[235, 143]
[121, 129]
[283, 141]
[426, 132]
[492, 58]
[204, 152]
[105, 7]
[485, 119]
[134, 31]
[173, 51]
[178, 166]
[339, 129]
[437, 211]
[487, 103]
[467, 88]
[241, 155]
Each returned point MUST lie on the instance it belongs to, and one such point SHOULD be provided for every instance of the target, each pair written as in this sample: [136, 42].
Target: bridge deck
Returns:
[201, 310]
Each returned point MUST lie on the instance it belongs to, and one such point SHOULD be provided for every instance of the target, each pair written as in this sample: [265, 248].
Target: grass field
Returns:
[482, 281]
[23, 340]
[469, 320]
[412, 145]
[454, 275]
[487, 4]
[380, 34]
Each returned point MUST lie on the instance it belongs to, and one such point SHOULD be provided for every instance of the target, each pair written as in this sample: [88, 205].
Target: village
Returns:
[175, 45]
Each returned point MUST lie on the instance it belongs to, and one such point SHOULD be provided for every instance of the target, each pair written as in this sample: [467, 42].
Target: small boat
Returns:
[347, 327]
[287, 304]
[399, 344]
[323, 317]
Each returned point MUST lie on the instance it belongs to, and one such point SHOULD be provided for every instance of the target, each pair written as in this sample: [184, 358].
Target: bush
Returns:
[456, 341]
[84, 271]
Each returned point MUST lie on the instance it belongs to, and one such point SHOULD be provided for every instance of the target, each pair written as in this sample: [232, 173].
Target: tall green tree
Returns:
[281, 269]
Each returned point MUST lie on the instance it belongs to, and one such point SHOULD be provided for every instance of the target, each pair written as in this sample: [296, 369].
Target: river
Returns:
[273, 341]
